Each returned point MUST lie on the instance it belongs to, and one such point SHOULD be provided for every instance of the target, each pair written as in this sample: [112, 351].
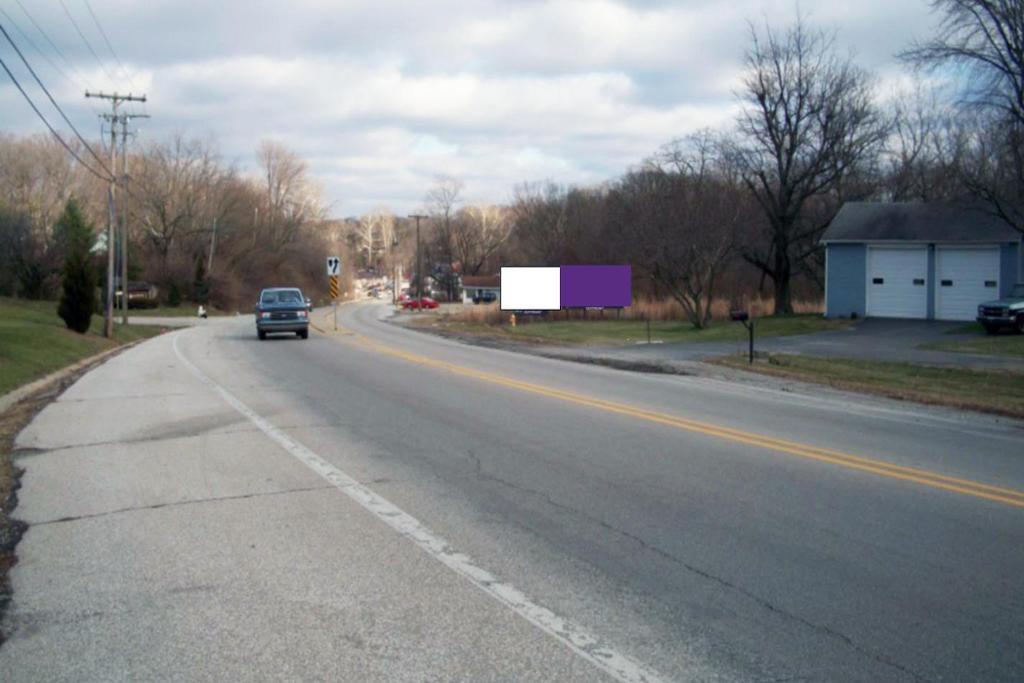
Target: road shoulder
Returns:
[169, 538]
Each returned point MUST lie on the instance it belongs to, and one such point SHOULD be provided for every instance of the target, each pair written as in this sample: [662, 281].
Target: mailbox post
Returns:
[744, 317]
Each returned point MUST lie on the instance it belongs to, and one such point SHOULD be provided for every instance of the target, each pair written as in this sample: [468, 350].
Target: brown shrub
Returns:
[655, 309]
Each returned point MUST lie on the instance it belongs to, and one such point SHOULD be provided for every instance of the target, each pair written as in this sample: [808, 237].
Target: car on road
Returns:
[282, 309]
[422, 302]
[1005, 312]
[485, 298]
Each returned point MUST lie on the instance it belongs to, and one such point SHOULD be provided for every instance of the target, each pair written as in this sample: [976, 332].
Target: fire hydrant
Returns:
[512, 320]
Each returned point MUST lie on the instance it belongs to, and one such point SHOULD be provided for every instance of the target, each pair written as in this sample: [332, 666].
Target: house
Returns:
[480, 288]
[934, 261]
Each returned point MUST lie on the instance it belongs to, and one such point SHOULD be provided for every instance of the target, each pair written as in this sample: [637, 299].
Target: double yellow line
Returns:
[935, 480]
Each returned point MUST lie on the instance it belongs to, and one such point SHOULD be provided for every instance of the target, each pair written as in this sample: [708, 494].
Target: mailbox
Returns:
[744, 317]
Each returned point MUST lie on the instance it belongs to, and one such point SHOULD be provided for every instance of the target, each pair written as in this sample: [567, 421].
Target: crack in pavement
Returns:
[157, 506]
[479, 473]
[36, 450]
[129, 397]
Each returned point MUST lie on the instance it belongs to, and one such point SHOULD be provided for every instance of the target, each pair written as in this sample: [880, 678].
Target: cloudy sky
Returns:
[382, 97]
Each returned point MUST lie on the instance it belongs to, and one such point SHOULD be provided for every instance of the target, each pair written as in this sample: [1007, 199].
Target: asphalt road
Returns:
[700, 529]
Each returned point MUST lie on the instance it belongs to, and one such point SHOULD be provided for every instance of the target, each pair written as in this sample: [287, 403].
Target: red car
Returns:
[423, 302]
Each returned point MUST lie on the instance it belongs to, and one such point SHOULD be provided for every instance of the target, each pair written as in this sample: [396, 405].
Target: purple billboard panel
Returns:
[596, 286]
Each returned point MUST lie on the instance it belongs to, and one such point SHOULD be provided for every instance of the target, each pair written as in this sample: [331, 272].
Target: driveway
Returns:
[871, 339]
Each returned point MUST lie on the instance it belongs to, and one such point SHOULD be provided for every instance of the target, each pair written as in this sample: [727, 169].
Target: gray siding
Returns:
[1011, 259]
[930, 282]
[845, 274]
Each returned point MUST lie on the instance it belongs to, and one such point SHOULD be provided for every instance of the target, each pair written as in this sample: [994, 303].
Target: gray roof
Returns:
[917, 222]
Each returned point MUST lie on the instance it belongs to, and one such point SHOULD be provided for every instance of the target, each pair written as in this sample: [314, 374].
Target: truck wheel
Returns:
[304, 334]
[1020, 324]
[990, 328]
[261, 334]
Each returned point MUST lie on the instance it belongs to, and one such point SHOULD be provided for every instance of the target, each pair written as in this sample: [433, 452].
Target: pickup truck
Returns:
[1005, 312]
[282, 309]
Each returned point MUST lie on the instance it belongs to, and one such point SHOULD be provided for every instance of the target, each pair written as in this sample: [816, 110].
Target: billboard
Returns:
[530, 289]
[596, 286]
[549, 289]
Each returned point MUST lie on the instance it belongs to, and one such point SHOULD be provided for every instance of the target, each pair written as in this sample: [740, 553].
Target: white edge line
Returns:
[582, 643]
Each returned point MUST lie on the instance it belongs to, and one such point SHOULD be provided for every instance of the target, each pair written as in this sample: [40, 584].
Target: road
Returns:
[424, 510]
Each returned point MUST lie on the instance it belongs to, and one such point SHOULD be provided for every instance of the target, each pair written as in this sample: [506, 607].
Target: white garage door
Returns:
[964, 277]
[897, 282]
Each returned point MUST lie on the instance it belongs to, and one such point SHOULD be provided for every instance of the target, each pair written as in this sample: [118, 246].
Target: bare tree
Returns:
[374, 235]
[808, 122]
[680, 224]
[173, 183]
[925, 152]
[292, 199]
[477, 233]
[442, 203]
[985, 38]
[555, 225]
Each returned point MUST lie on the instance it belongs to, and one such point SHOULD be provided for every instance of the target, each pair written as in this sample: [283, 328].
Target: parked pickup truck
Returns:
[1007, 312]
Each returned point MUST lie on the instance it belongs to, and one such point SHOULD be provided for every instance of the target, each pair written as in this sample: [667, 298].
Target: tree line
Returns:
[198, 228]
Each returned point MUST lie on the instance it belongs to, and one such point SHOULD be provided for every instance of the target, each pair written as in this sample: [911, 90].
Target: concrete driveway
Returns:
[871, 339]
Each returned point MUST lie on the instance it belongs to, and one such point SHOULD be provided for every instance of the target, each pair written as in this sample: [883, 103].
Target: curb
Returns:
[22, 392]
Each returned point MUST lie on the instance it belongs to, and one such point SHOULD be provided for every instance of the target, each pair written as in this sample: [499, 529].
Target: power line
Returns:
[54, 102]
[87, 43]
[67, 62]
[45, 56]
[35, 47]
[51, 128]
[109, 46]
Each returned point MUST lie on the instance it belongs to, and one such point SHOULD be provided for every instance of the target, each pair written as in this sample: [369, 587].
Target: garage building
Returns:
[917, 260]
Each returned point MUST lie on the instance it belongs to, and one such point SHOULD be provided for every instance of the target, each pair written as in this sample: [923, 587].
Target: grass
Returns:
[993, 392]
[989, 345]
[612, 331]
[183, 311]
[34, 341]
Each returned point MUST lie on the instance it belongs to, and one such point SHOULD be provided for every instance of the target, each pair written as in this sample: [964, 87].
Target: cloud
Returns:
[381, 97]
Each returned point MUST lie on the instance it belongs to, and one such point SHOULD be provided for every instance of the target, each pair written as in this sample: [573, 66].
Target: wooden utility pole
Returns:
[124, 214]
[419, 262]
[114, 118]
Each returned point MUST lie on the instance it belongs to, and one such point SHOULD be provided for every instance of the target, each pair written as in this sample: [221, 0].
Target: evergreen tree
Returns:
[78, 280]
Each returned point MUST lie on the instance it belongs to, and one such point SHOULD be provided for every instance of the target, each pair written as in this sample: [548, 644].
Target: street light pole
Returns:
[419, 262]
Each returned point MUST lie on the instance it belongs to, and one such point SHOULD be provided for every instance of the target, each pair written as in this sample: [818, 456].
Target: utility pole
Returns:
[124, 214]
[419, 262]
[113, 118]
[213, 245]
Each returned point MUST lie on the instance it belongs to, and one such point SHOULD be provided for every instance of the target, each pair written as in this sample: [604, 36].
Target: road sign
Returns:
[333, 265]
[334, 286]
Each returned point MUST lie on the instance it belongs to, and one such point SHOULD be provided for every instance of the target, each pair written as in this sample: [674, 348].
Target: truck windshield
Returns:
[283, 296]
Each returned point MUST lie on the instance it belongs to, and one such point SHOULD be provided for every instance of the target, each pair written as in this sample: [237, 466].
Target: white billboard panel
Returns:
[530, 289]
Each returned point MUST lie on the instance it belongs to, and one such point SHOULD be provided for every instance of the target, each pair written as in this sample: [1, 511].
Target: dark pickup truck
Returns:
[1005, 312]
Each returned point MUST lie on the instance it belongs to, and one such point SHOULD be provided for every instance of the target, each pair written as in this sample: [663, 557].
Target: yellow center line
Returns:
[936, 480]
